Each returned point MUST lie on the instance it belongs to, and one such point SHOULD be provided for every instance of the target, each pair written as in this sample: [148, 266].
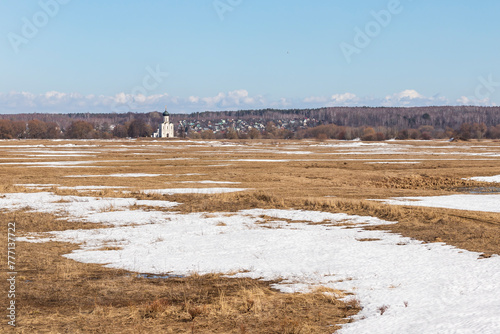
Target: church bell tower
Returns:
[166, 116]
[165, 129]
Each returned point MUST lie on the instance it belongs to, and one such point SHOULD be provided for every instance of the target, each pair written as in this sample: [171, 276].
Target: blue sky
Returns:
[103, 56]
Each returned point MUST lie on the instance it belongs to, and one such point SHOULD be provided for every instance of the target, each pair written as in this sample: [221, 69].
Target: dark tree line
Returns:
[366, 133]
[368, 123]
[79, 129]
[426, 132]
[402, 118]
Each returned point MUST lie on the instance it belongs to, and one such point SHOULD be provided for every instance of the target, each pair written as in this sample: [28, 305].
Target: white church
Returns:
[166, 129]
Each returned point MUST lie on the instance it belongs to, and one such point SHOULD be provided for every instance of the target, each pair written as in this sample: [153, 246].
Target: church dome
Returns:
[165, 113]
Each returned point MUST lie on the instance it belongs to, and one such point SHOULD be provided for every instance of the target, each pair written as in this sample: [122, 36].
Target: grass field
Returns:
[217, 179]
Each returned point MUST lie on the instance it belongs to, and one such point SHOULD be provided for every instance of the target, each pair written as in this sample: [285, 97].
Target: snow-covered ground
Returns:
[261, 160]
[36, 185]
[393, 162]
[493, 179]
[172, 191]
[55, 153]
[471, 202]
[427, 288]
[77, 188]
[50, 163]
[120, 175]
[77, 207]
[90, 188]
[210, 182]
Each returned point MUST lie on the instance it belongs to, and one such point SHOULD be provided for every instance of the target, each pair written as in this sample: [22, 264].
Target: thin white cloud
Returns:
[194, 99]
[408, 97]
[59, 102]
[408, 94]
[474, 101]
[281, 103]
[405, 98]
[316, 99]
[23, 102]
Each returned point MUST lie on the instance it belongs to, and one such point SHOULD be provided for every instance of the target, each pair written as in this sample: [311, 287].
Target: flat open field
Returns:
[183, 236]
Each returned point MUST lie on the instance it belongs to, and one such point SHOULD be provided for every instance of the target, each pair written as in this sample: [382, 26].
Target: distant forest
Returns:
[367, 123]
[402, 118]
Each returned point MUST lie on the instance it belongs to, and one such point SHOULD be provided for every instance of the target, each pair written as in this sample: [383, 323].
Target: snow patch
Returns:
[493, 179]
[210, 182]
[472, 202]
[173, 191]
[428, 288]
[120, 175]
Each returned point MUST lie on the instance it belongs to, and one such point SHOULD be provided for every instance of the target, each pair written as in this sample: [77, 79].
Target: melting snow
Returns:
[494, 179]
[472, 202]
[428, 288]
[37, 186]
[210, 182]
[393, 162]
[92, 188]
[76, 206]
[49, 163]
[262, 160]
[120, 175]
[173, 191]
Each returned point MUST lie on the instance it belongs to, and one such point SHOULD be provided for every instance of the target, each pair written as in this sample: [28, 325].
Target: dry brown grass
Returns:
[423, 181]
[58, 295]
[299, 183]
[474, 231]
